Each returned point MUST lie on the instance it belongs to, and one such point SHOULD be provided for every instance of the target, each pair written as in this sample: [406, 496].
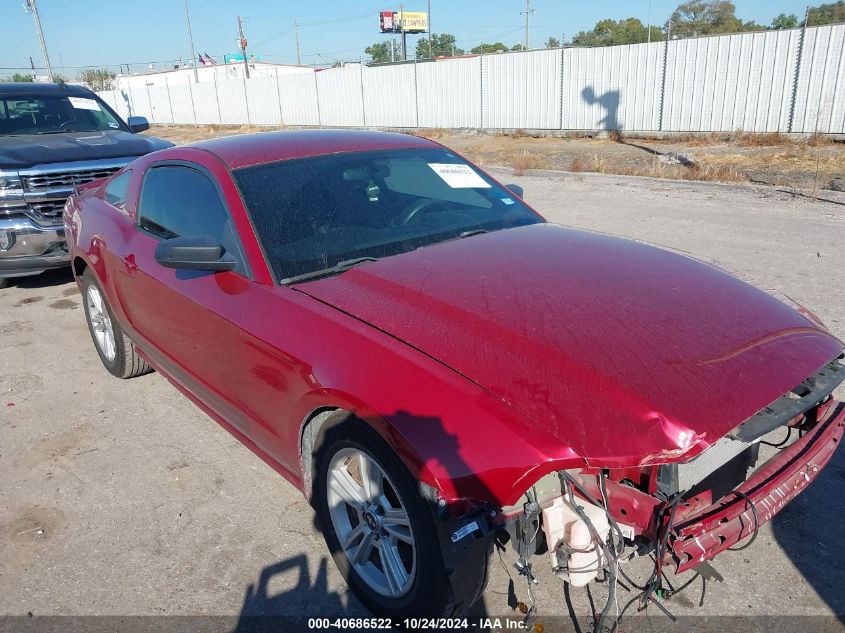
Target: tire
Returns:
[4, 281]
[428, 592]
[116, 350]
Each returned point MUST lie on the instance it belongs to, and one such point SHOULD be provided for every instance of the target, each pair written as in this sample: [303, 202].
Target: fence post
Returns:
[279, 97]
[796, 76]
[193, 107]
[363, 102]
[416, 97]
[562, 49]
[663, 77]
[317, 92]
[169, 101]
[481, 89]
[246, 102]
[149, 101]
[217, 99]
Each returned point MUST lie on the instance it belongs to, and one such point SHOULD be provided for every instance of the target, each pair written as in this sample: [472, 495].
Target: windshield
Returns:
[53, 114]
[311, 214]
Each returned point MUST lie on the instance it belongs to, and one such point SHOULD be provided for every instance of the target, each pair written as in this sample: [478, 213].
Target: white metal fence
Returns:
[776, 81]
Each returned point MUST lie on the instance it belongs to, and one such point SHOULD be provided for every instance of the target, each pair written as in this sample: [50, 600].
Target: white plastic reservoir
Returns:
[562, 525]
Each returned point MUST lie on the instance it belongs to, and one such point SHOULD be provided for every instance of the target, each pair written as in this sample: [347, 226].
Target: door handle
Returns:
[129, 263]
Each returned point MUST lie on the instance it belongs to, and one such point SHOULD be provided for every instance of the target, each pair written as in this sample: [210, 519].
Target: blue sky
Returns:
[100, 32]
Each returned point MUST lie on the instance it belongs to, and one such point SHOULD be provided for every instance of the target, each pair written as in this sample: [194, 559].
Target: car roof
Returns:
[30, 88]
[267, 147]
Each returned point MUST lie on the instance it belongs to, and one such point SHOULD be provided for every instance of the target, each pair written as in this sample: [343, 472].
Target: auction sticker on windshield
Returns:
[81, 103]
[459, 176]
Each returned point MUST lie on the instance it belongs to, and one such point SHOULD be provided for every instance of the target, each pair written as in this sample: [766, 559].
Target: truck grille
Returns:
[47, 212]
[67, 179]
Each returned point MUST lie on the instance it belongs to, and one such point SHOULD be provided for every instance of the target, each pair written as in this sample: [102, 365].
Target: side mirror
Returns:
[517, 190]
[198, 252]
[138, 124]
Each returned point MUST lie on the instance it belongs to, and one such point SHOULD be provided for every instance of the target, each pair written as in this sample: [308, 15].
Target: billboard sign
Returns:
[407, 21]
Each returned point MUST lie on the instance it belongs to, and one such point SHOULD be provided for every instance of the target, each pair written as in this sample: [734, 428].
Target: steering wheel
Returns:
[65, 124]
[414, 209]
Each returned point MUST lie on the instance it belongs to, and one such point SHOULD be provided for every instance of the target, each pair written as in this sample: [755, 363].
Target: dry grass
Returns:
[521, 161]
[515, 134]
[748, 139]
[655, 169]
[616, 136]
[430, 132]
[790, 159]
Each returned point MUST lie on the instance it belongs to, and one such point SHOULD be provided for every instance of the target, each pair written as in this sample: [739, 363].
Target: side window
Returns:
[116, 190]
[178, 201]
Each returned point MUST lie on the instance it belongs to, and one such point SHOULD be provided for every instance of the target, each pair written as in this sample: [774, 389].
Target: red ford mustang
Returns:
[436, 366]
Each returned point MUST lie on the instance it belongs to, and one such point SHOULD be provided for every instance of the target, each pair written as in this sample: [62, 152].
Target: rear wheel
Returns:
[379, 529]
[116, 350]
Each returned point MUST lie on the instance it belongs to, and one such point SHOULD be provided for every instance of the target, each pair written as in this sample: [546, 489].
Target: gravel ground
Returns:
[122, 498]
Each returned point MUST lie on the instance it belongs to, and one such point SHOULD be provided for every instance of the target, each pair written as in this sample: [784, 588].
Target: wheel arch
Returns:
[326, 416]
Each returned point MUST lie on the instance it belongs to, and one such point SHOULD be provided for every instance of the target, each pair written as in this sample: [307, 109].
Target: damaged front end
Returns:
[681, 512]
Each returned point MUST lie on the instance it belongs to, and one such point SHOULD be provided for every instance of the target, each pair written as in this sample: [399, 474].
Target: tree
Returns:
[708, 17]
[484, 48]
[827, 14]
[98, 79]
[784, 21]
[18, 78]
[442, 45]
[611, 32]
[379, 52]
[518, 47]
[552, 42]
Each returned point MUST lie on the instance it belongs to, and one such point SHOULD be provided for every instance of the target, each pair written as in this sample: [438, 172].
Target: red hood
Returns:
[625, 352]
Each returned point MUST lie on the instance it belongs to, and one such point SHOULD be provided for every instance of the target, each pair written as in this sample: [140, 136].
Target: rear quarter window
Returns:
[116, 189]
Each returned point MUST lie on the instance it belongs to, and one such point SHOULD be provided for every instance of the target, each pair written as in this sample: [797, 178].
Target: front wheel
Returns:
[379, 529]
[116, 350]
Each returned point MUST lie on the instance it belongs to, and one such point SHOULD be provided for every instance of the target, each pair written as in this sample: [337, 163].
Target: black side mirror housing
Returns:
[197, 252]
[517, 190]
[138, 124]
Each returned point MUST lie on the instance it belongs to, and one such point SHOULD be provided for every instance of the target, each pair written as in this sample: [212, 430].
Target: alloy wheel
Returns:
[371, 523]
[100, 322]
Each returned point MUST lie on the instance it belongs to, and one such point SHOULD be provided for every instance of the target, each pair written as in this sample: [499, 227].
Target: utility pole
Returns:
[242, 42]
[191, 41]
[402, 30]
[429, 29]
[296, 30]
[30, 7]
[528, 11]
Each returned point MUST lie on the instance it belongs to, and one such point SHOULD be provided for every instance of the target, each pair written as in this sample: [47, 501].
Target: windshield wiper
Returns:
[340, 267]
[471, 233]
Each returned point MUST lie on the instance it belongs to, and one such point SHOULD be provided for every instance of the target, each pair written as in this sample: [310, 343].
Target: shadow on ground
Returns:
[811, 531]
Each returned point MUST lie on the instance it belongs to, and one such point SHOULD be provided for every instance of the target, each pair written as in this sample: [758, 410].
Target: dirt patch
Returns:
[64, 304]
[33, 523]
[27, 300]
[13, 327]
[73, 291]
[18, 388]
[811, 163]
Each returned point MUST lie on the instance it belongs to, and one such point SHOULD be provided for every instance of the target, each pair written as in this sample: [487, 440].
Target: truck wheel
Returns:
[379, 529]
[116, 350]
